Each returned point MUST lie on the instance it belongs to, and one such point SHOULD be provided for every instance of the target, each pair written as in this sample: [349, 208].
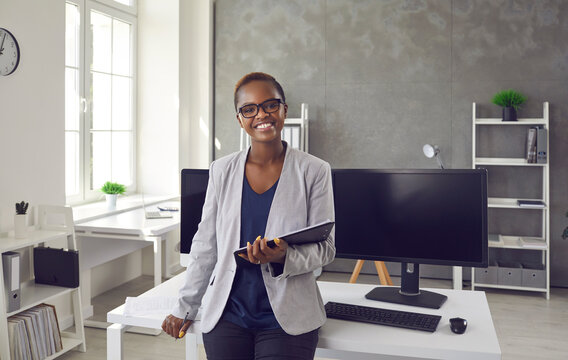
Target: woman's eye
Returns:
[247, 110]
[272, 106]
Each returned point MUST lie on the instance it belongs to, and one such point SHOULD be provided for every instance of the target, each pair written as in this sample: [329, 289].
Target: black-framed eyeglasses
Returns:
[269, 106]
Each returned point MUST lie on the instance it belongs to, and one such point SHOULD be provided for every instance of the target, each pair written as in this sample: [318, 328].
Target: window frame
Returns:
[85, 47]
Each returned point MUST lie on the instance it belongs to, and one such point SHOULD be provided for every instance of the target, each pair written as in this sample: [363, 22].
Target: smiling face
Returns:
[264, 126]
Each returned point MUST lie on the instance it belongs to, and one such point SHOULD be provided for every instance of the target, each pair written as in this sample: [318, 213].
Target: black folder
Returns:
[58, 267]
[307, 235]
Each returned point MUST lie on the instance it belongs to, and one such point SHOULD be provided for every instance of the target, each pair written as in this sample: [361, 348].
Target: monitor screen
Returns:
[193, 189]
[416, 216]
[413, 217]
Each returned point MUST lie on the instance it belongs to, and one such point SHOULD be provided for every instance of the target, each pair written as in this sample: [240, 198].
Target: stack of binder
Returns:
[536, 145]
[34, 333]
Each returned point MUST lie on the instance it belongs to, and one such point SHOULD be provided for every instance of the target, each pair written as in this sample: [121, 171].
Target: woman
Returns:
[267, 306]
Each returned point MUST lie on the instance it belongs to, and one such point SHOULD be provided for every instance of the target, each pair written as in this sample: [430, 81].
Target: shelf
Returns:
[520, 242]
[33, 294]
[68, 344]
[538, 246]
[520, 121]
[508, 287]
[505, 162]
[34, 237]
[510, 203]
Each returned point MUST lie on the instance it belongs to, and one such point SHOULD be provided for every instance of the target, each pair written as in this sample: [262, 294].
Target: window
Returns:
[99, 97]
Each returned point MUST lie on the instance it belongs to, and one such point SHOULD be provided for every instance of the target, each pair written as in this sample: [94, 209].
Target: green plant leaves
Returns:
[509, 98]
[113, 188]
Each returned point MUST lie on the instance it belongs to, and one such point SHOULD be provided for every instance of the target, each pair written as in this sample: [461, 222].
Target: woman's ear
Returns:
[285, 111]
[239, 120]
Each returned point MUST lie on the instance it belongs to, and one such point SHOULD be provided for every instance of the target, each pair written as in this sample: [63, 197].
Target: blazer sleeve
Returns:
[307, 258]
[202, 256]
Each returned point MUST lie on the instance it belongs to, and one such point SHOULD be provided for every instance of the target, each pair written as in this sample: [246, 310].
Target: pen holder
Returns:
[20, 226]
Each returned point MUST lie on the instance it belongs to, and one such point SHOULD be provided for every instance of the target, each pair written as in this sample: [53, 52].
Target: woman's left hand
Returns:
[260, 253]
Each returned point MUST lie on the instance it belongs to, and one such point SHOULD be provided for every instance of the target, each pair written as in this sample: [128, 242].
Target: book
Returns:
[531, 203]
[34, 333]
[541, 146]
[531, 145]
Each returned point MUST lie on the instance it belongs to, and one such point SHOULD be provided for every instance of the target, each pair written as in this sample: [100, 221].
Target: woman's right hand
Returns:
[172, 326]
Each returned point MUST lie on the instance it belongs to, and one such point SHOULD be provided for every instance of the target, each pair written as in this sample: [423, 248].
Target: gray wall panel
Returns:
[387, 41]
[382, 78]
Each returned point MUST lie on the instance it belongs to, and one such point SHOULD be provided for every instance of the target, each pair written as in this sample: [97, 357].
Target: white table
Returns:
[356, 341]
[105, 238]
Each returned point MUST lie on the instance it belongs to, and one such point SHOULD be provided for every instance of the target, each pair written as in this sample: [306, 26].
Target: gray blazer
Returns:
[303, 197]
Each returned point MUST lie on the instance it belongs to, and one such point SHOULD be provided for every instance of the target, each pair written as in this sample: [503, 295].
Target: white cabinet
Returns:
[32, 294]
[515, 276]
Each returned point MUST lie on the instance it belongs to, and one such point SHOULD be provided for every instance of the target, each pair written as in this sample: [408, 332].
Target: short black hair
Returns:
[261, 77]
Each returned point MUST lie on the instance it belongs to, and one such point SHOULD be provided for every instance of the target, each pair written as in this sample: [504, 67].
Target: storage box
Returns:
[510, 274]
[534, 275]
[486, 275]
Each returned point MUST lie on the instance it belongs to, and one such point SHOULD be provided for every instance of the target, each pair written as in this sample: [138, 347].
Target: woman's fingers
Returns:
[260, 253]
[171, 326]
[250, 254]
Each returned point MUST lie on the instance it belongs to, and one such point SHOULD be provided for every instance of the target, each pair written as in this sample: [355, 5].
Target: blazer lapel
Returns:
[284, 182]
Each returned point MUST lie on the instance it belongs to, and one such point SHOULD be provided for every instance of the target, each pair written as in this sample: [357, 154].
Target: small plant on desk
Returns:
[112, 188]
[21, 220]
[22, 208]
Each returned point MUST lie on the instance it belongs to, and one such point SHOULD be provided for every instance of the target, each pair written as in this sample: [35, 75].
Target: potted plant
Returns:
[21, 220]
[111, 191]
[510, 100]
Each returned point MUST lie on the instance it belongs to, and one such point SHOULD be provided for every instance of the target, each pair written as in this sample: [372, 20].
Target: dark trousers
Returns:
[229, 341]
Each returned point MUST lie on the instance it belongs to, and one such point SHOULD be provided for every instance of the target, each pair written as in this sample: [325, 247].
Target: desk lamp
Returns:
[431, 151]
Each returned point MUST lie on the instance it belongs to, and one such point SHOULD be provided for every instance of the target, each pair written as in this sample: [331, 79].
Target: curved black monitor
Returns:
[413, 217]
[193, 189]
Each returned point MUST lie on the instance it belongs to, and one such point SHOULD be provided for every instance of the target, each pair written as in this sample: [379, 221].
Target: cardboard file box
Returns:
[486, 275]
[58, 267]
[534, 275]
[509, 274]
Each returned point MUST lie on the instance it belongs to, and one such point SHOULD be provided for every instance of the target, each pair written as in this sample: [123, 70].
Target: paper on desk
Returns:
[148, 305]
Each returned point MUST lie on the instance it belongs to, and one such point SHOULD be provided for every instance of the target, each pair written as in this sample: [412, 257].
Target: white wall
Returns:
[32, 108]
[158, 96]
[196, 83]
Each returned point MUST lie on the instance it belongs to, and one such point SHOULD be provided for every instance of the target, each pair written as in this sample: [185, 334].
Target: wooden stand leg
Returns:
[356, 271]
[384, 277]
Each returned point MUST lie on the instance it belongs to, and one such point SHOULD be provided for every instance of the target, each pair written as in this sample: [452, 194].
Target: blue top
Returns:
[248, 304]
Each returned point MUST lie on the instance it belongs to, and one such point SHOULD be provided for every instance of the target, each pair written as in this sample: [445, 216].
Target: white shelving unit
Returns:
[32, 294]
[518, 241]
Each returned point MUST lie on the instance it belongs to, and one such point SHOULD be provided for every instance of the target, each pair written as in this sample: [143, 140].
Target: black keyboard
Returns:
[403, 319]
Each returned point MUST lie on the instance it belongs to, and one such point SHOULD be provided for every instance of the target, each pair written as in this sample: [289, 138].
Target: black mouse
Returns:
[458, 325]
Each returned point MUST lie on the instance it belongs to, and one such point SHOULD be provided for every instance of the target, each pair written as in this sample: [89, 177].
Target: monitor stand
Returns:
[409, 292]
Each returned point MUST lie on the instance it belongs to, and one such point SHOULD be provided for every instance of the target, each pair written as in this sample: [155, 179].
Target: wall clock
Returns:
[9, 52]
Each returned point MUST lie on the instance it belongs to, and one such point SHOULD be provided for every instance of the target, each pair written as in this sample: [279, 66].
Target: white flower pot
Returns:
[20, 226]
[111, 201]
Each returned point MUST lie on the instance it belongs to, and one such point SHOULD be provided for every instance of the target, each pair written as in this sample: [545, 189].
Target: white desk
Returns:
[106, 238]
[357, 341]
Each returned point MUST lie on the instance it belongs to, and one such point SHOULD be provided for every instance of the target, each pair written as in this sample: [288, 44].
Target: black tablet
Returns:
[307, 235]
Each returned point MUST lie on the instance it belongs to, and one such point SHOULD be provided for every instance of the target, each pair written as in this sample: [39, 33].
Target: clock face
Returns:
[9, 52]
